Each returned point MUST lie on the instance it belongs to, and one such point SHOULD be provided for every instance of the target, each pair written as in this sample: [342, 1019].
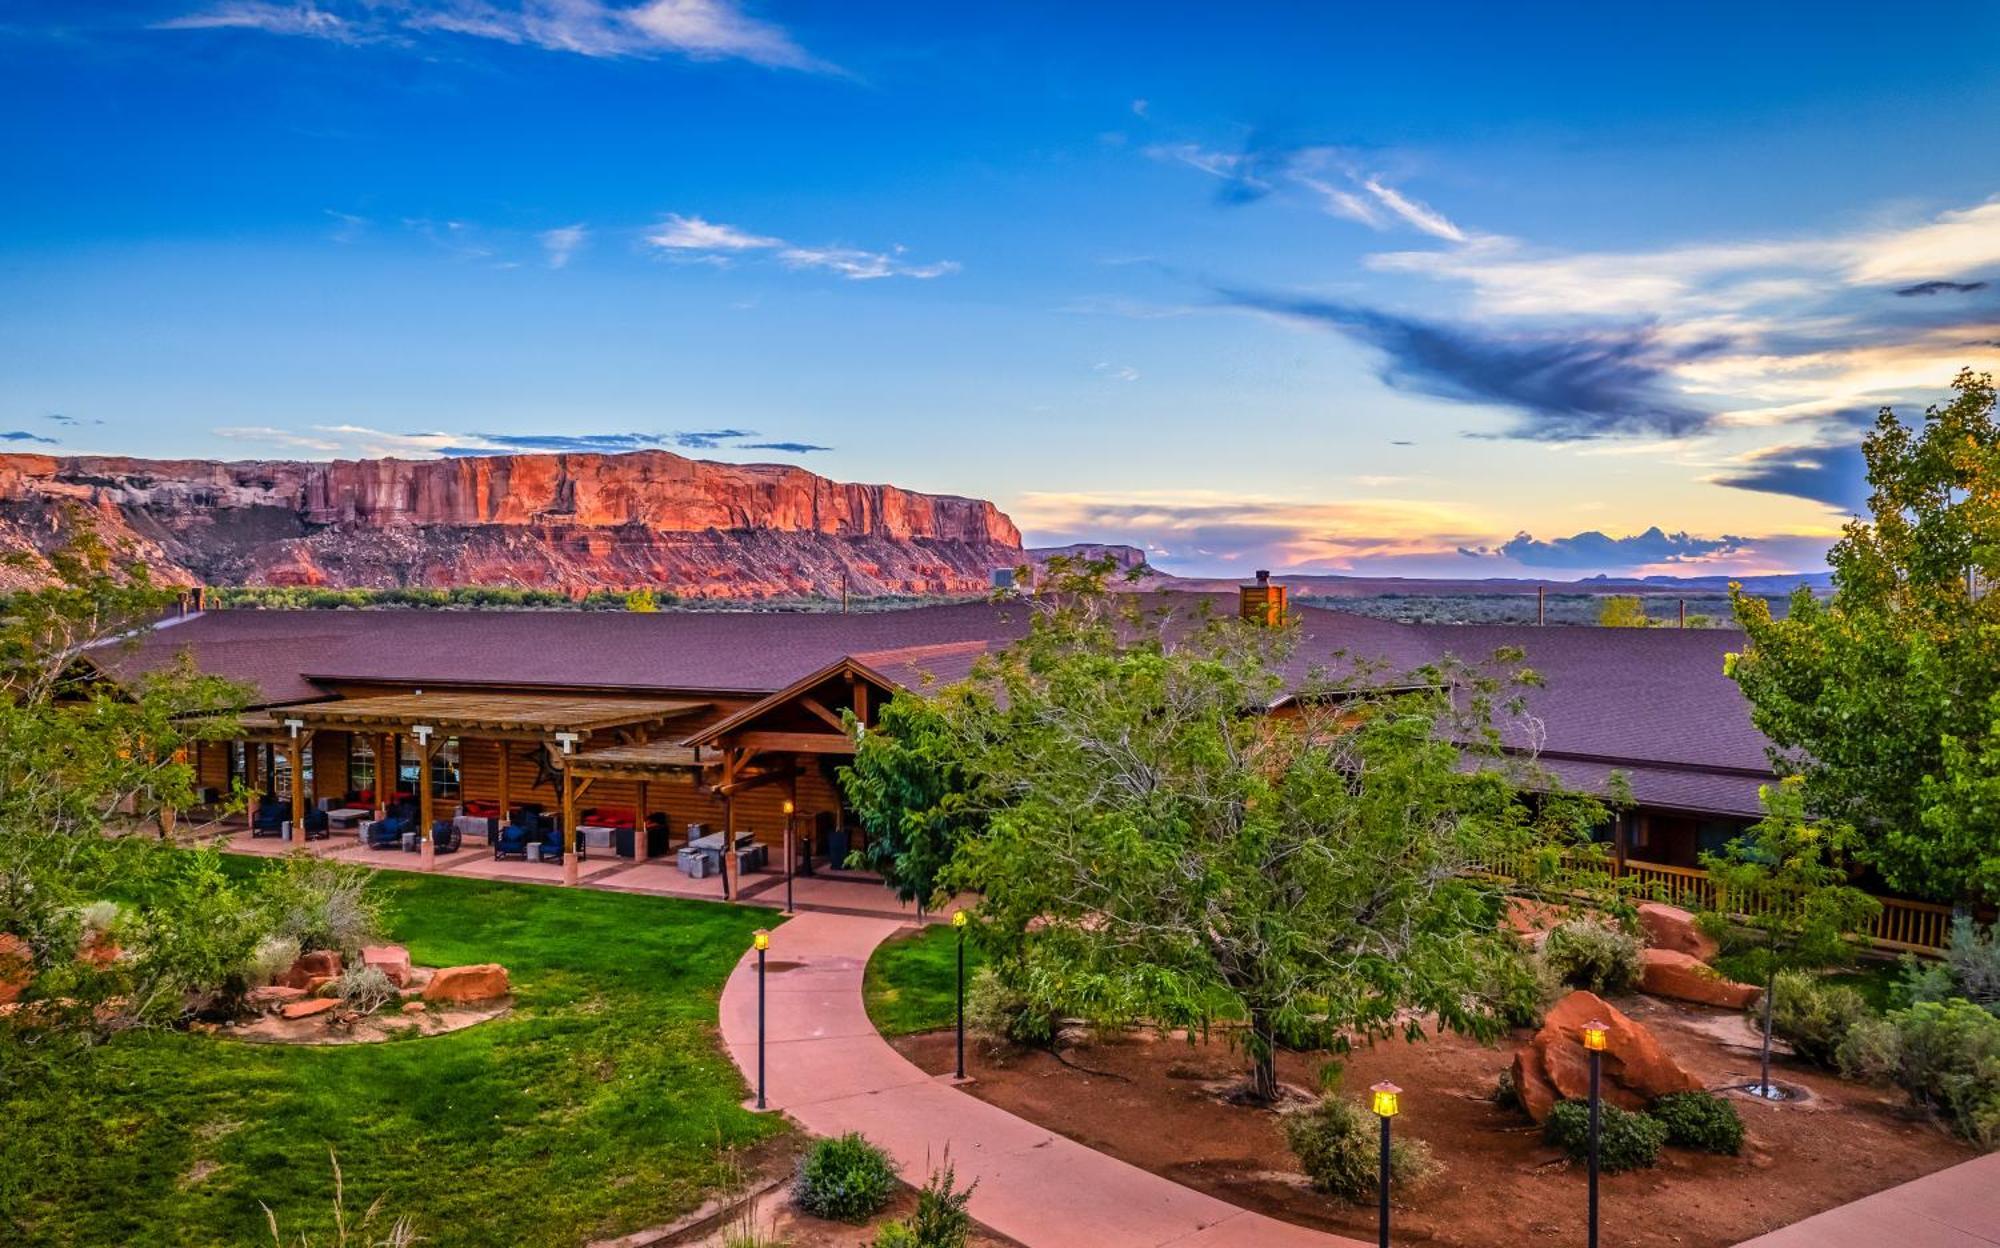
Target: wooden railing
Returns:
[1901, 924]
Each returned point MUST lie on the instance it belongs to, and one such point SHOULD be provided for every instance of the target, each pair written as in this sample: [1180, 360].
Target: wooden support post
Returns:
[252, 755]
[385, 771]
[506, 798]
[731, 760]
[1621, 836]
[295, 755]
[425, 848]
[572, 872]
[639, 830]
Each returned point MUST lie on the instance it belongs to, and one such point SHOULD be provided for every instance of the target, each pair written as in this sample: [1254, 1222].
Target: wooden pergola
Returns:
[563, 723]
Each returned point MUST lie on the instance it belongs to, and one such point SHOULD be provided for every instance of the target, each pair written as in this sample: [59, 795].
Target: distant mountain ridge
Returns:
[576, 522]
[1330, 585]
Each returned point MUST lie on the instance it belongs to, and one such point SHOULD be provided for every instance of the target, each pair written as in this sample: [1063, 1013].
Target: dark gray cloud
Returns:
[69, 421]
[1599, 550]
[1836, 475]
[1567, 386]
[1941, 288]
[795, 448]
[22, 435]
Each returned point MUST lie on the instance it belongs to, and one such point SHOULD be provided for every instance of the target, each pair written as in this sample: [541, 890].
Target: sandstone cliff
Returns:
[647, 518]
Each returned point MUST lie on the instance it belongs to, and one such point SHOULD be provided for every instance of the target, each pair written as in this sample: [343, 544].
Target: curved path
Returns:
[829, 1068]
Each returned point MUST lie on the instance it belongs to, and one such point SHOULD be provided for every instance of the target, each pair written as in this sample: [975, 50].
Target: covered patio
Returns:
[481, 754]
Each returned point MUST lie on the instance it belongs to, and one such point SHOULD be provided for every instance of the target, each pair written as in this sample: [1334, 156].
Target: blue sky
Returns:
[1440, 290]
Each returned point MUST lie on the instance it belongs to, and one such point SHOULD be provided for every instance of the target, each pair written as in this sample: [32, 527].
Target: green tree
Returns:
[1885, 698]
[1786, 879]
[910, 792]
[86, 765]
[1623, 611]
[1155, 842]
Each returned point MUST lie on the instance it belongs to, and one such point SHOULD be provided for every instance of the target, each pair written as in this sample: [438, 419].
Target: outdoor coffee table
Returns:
[347, 816]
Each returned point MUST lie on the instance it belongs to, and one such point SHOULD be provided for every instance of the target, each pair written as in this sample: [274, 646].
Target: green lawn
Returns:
[597, 1107]
[912, 981]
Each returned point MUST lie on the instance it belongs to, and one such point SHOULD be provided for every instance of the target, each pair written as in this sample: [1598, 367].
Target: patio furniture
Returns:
[697, 864]
[316, 826]
[387, 833]
[270, 817]
[446, 837]
[410, 842]
[474, 825]
[347, 816]
[533, 853]
[524, 827]
[594, 836]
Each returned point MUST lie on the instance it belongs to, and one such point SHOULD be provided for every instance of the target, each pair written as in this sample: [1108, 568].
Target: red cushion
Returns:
[611, 817]
[480, 808]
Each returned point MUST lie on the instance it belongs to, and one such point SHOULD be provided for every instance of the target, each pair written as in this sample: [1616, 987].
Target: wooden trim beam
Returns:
[819, 708]
[794, 742]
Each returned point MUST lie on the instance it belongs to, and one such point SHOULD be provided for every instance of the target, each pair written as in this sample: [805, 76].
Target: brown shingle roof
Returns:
[1632, 698]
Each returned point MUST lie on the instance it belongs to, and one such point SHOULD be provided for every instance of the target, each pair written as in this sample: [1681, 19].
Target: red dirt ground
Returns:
[1155, 1105]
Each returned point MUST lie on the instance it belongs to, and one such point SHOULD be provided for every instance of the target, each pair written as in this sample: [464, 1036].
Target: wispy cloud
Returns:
[562, 243]
[1339, 182]
[71, 421]
[709, 439]
[1941, 288]
[697, 29]
[794, 448]
[696, 238]
[22, 435]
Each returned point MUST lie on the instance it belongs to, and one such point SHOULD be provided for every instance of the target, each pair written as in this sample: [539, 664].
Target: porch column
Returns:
[731, 759]
[295, 754]
[639, 830]
[1621, 837]
[572, 870]
[506, 799]
[426, 849]
[385, 768]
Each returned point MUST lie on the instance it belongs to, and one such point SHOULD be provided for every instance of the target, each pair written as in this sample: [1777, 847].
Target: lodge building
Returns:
[652, 729]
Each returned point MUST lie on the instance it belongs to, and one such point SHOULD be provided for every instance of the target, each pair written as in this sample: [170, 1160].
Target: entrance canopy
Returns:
[520, 716]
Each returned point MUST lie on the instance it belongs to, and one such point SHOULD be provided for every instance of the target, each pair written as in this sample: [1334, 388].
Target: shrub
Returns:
[1339, 1147]
[1584, 953]
[895, 1235]
[322, 904]
[272, 957]
[1970, 969]
[1814, 1016]
[941, 1220]
[1626, 1141]
[1519, 986]
[364, 988]
[1946, 1055]
[1701, 1121]
[845, 1178]
[1005, 1014]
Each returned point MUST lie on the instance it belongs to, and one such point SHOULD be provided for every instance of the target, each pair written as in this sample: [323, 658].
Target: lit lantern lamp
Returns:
[761, 939]
[958, 922]
[791, 853]
[1596, 1038]
[1384, 1098]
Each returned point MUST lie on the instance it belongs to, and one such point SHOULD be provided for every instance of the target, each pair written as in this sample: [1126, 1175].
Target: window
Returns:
[360, 764]
[444, 771]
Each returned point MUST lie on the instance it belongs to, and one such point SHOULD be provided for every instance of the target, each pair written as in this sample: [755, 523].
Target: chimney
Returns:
[1262, 603]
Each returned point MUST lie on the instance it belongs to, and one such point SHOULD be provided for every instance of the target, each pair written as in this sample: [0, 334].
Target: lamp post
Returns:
[1594, 1041]
[1383, 1100]
[791, 854]
[958, 922]
[762, 939]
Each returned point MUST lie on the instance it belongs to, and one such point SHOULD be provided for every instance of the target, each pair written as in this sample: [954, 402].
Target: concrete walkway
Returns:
[1955, 1208]
[831, 1071]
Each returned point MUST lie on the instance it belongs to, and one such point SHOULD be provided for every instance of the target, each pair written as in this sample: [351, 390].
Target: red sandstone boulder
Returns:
[392, 960]
[1532, 920]
[459, 984]
[320, 964]
[1667, 973]
[309, 1007]
[1555, 1066]
[414, 1007]
[17, 967]
[1670, 927]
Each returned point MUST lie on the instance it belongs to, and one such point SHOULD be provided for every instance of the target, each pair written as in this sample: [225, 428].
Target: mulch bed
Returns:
[1155, 1102]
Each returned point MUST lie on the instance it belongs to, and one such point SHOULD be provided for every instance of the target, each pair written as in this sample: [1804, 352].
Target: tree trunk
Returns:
[1263, 1058]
